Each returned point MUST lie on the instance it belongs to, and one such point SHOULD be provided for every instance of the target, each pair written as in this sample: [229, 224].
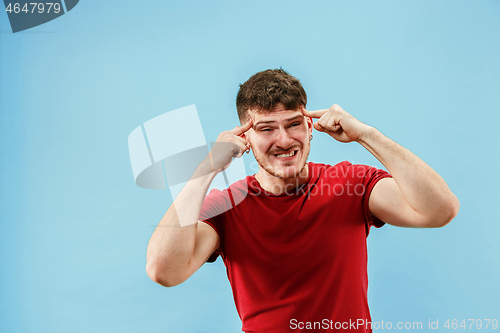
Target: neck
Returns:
[275, 185]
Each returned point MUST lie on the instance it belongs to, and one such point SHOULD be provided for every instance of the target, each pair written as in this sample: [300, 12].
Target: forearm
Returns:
[173, 242]
[422, 187]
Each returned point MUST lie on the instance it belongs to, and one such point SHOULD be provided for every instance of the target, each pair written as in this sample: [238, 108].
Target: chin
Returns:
[287, 172]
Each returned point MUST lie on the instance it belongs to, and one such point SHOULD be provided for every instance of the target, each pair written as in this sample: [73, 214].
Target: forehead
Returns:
[277, 115]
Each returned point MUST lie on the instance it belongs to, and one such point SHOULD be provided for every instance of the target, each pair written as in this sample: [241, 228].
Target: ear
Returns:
[246, 136]
[309, 124]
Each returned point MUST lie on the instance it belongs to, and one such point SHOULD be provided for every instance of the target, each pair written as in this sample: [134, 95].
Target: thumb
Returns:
[318, 127]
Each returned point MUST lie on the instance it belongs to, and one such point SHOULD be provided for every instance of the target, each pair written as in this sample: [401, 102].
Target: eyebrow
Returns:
[273, 121]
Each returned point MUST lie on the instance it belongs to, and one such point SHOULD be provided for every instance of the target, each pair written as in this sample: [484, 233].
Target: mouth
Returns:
[286, 156]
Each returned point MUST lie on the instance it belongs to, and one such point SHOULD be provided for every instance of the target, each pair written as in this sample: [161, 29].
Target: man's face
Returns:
[280, 141]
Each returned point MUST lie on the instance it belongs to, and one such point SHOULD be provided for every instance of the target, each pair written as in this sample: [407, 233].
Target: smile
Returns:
[291, 154]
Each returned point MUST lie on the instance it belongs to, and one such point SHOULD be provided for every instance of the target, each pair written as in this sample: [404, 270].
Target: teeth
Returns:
[286, 155]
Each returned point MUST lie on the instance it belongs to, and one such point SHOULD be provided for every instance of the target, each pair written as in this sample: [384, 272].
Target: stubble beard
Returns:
[276, 173]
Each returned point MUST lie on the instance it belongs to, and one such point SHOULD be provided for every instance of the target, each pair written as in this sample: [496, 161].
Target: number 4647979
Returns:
[34, 7]
[471, 324]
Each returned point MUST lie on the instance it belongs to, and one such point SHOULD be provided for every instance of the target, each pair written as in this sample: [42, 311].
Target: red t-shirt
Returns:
[298, 260]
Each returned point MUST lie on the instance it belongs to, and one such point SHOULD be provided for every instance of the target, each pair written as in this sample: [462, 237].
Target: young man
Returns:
[293, 236]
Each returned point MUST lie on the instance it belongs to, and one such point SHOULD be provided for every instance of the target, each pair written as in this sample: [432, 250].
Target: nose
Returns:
[283, 140]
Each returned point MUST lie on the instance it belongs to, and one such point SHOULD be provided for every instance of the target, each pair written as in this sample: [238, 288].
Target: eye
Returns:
[267, 129]
[295, 124]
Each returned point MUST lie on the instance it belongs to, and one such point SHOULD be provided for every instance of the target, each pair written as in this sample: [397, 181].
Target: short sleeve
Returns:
[371, 177]
[212, 212]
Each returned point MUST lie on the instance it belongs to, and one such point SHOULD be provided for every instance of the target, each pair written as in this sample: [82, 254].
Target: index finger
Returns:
[313, 114]
[239, 130]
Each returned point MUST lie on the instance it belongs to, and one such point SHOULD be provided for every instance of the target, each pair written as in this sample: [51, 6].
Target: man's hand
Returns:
[339, 124]
[229, 144]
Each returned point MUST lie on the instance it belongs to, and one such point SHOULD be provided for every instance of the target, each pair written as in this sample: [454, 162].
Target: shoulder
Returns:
[217, 191]
[236, 192]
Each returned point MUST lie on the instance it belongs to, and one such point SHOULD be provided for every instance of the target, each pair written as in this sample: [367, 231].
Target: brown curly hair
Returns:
[265, 90]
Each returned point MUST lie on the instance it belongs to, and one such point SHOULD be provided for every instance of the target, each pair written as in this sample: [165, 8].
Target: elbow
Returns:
[447, 213]
[161, 275]
[455, 207]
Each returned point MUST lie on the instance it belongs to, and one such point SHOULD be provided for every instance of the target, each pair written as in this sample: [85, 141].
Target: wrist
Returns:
[367, 135]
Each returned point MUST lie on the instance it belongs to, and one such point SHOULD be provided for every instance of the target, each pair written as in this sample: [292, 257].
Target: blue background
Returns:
[74, 226]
